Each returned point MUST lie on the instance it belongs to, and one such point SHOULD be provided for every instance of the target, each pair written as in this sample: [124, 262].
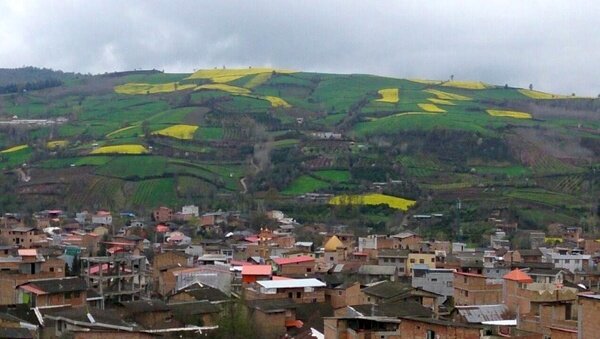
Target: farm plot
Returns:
[120, 149]
[509, 114]
[227, 75]
[373, 199]
[389, 95]
[305, 184]
[155, 192]
[184, 132]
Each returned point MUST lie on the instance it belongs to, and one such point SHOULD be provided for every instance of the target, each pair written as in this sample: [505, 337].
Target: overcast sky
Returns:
[553, 44]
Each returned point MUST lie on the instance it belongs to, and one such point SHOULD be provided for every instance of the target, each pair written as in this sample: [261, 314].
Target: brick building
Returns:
[53, 292]
[476, 289]
[298, 290]
[163, 214]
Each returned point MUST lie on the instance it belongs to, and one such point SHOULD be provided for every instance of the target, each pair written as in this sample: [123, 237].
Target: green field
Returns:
[304, 184]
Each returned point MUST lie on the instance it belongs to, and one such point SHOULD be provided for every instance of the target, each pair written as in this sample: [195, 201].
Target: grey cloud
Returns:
[552, 44]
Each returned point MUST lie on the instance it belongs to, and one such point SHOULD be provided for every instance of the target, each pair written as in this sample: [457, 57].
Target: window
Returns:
[567, 261]
[400, 260]
[465, 280]
[340, 293]
[412, 261]
[433, 279]
[298, 295]
[556, 261]
[448, 283]
[466, 293]
[290, 295]
[51, 269]
[421, 261]
[432, 259]
[308, 269]
[385, 260]
[430, 335]
[68, 295]
[77, 294]
[330, 258]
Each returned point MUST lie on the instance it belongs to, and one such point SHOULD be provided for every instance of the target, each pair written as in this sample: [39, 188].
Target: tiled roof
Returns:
[333, 243]
[144, 306]
[257, 270]
[296, 260]
[58, 285]
[387, 289]
[518, 275]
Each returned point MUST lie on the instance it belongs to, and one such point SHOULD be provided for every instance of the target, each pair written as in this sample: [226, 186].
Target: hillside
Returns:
[218, 138]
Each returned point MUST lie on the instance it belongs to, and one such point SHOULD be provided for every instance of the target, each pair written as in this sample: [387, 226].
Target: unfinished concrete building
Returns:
[116, 278]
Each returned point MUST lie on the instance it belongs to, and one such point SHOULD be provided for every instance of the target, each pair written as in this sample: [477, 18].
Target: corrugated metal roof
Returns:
[291, 283]
[476, 314]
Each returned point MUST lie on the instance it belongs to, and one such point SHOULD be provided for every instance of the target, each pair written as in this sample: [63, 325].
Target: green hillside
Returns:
[139, 139]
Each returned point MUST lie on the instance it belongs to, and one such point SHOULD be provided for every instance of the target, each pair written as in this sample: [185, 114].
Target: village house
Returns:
[344, 294]
[151, 314]
[102, 217]
[253, 273]
[436, 280]
[526, 256]
[569, 259]
[372, 273]
[272, 317]
[428, 259]
[23, 236]
[70, 291]
[26, 266]
[589, 308]
[476, 289]
[296, 266]
[539, 306]
[163, 214]
[394, 257]
[407, 240]
[335, 250]
[309, 290]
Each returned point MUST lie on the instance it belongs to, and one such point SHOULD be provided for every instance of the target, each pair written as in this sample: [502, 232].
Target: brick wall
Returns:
[589, 309]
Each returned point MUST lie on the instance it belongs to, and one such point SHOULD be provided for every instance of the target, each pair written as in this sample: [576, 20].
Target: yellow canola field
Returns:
[120, 149]
[373, 199]
[466, 84]
[389, 95]
[227, 75]
[258, 80]
[185, 132]
[541, 95]
[224, 88]
[445, 95]
[57, 144]
[276, 101]
[14, 149]
[510, 114]
[441, 101]
[142, 88]
[431, 108]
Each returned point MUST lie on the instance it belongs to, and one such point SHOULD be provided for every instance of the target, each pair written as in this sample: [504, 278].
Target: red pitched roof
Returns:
[518, 275]
[295, 260]
[257, 270]
[27, 252]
